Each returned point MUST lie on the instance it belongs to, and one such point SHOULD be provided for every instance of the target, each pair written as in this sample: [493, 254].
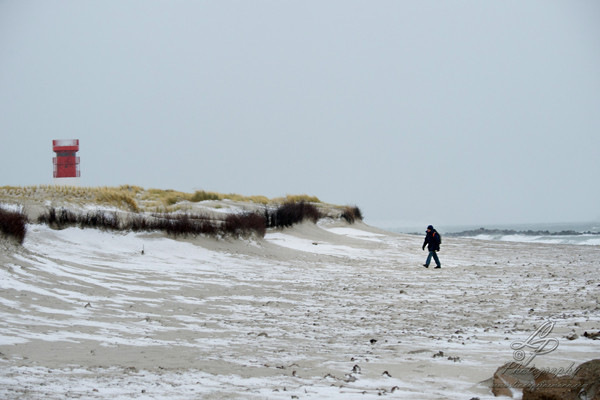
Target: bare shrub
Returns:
[351, 214]
[176, 225]
[245, 224]
[100, 220]
[13, 224]
[292, 213]
[58, 219]
[63, 218]
[138, 223]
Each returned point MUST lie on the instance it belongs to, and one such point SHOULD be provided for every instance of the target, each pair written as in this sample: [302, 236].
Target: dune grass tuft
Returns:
[118, 199]
[201, 195]
[296, 198]
[133, 198]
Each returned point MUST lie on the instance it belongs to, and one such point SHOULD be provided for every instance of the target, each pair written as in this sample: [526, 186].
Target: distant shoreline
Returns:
[543, 228]
[529, 232]
[578, 233]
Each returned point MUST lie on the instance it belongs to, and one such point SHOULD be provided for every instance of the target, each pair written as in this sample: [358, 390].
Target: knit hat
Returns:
[430, 227]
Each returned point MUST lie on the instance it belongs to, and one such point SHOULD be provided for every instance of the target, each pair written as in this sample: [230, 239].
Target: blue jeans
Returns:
[435, 258]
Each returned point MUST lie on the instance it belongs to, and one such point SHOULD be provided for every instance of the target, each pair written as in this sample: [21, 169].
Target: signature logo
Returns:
[536, 344]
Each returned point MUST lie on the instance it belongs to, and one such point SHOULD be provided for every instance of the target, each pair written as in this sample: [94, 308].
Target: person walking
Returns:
[433, 241]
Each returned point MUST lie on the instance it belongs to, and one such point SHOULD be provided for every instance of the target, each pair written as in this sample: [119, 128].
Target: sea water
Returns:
[579, 233]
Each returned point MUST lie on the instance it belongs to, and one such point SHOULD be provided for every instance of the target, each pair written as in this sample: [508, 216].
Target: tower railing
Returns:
[65, 142]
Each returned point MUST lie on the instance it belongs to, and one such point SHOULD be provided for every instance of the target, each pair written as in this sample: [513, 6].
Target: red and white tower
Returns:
[66, 164]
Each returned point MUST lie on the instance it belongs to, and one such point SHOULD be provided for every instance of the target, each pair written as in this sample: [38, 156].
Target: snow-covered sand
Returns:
[327, 311]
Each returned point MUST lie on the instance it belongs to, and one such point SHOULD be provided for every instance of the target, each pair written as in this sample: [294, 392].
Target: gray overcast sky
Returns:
[442, 112]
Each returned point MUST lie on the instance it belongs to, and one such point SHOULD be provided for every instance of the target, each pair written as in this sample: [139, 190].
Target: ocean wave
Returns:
[580, 239]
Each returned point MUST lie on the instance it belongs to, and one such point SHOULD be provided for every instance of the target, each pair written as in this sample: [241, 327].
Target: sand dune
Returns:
[316, 311]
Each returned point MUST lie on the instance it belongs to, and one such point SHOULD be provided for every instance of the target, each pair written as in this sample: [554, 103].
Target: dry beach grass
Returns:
[326, 310]
[131, 198]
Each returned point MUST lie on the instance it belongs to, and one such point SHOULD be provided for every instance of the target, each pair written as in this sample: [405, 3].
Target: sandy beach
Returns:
[317, 311]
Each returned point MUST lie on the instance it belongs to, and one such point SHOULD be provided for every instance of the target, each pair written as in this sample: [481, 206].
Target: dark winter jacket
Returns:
[432, 240]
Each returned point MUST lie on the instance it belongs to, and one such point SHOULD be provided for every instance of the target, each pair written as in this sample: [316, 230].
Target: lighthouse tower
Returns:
[66, 164]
